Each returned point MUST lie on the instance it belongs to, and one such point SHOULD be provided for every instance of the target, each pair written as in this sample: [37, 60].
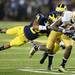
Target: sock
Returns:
[43, 58]
[50, 59]
[63, 62]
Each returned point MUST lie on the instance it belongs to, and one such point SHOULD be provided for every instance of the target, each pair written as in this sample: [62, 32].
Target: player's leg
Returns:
[51, 55]
[50, 60]
[13, 31]
[19, 40]
[56, 48]
[68, 44]
[18, 30]
[45, 54]
[9, 31]
[50, 45]
[51, 40]
[33, 50]
[37, 46]
[15, 42]
[65, 58]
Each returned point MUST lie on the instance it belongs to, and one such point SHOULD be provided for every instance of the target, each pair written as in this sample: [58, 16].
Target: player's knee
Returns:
[69, 48]
[51, 51]
[50, 47]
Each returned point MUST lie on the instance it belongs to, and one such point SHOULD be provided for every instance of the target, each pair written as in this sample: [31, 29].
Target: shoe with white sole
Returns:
[50, 68]
[32, 51]
[61, 69]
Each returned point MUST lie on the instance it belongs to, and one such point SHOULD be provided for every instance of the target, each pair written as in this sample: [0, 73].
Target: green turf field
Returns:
[15, 61]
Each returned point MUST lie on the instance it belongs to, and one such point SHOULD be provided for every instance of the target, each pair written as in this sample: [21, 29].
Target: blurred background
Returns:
[25, 10]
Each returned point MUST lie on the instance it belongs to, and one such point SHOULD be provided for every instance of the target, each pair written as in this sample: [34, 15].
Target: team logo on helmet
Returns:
[61, 8]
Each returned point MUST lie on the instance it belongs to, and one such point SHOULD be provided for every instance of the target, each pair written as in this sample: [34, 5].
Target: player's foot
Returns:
[61, 69]
[32, 51]
[41, 61]
[50, 68]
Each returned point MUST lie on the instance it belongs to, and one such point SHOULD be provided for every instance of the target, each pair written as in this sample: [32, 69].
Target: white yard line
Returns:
[36, 71]
[73, 72]
[30, 69]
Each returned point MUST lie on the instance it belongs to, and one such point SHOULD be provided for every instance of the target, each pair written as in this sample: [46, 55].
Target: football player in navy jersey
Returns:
[25, 33]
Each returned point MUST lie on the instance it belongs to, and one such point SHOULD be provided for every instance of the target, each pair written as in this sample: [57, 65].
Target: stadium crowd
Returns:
[22, 9]
[27, 9]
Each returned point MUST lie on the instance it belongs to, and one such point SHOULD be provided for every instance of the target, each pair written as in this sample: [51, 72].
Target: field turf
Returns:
[15, 61]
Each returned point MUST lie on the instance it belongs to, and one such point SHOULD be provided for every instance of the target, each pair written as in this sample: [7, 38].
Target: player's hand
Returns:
[48, 27]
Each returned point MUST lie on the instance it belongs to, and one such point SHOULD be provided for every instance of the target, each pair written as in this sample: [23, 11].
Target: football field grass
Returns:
[16, 61]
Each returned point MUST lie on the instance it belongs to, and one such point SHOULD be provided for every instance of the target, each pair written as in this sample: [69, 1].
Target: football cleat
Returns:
[32, 51]
[61, 69]
[50, 68]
